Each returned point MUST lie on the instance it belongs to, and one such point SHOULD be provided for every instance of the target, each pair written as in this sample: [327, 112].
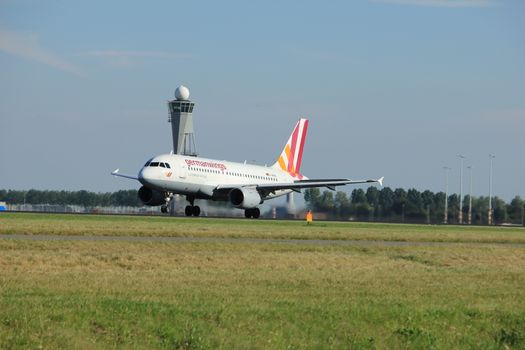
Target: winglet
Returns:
[381, 181]
[115, 172]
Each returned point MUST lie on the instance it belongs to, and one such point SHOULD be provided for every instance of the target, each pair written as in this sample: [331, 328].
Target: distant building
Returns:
[3, 206]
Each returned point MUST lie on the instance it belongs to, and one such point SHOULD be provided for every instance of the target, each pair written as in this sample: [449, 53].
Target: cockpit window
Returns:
[147, 163]
[157, 164]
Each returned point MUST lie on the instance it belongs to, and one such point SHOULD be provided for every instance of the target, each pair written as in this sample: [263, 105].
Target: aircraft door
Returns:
[183, 171]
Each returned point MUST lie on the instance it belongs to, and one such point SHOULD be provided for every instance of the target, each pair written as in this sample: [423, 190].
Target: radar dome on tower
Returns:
[182, 93]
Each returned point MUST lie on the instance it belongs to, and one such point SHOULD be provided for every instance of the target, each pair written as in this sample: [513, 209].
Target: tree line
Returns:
[373, 204]
[400, 205]
[83, 198]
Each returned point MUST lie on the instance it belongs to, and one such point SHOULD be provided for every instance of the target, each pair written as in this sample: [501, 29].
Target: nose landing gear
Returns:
[164, 208]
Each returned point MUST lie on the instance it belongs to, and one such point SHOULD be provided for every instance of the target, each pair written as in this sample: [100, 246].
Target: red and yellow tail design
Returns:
[292, 154]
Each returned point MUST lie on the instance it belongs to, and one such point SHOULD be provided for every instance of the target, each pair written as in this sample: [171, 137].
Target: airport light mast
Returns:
[460, 213]
[445, 214]
[470, 197]
[490, 214]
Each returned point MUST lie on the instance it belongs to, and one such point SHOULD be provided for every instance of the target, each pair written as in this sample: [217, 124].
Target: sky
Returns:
[394, 88]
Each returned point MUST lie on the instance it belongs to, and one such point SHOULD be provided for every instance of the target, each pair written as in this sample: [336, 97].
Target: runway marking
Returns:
[323, 242]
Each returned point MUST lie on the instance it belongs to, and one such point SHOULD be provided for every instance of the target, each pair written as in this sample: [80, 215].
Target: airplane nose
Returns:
[142, 176]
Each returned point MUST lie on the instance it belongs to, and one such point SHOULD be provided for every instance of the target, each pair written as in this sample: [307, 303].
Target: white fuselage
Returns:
[200, 177]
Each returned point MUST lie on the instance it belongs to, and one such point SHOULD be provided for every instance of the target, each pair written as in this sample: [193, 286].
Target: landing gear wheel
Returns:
[164, 209]
[192, 210]
[196, 211]
[252, 213]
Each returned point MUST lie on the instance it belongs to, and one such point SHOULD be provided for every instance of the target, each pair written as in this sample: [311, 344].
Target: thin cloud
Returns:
[126, 59]
[516, 115]
[27, 46]
[440, 3]
[130, 54]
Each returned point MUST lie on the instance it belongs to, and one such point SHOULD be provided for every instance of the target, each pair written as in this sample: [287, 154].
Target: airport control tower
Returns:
[181, 119]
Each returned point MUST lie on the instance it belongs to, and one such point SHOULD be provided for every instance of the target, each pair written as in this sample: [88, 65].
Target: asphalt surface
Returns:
[230, 240]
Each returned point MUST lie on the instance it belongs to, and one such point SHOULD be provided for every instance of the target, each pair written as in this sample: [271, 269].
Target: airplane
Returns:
[245, 186]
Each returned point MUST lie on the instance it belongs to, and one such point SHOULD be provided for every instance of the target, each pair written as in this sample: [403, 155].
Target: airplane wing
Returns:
[116, 173]
[299, 184]
[310, 183]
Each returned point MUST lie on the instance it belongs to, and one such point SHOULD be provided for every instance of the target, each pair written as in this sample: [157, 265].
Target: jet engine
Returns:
[151, 197]
[245, 198]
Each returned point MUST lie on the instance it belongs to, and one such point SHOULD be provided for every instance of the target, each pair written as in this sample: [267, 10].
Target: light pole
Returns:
[445, 214]
[490, 216]
[460, 214]
[470, 198]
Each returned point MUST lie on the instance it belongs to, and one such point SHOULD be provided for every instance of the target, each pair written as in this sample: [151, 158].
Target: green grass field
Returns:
[55, 224]
[224, 294]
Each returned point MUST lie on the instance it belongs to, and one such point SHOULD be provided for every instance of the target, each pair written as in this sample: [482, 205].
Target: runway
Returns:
[240, 240]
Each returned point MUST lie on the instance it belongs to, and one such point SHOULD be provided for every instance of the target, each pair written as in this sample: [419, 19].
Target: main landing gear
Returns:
[192, 210]
[252, 213]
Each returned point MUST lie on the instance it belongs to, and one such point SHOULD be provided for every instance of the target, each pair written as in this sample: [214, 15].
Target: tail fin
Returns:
[292, 154]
